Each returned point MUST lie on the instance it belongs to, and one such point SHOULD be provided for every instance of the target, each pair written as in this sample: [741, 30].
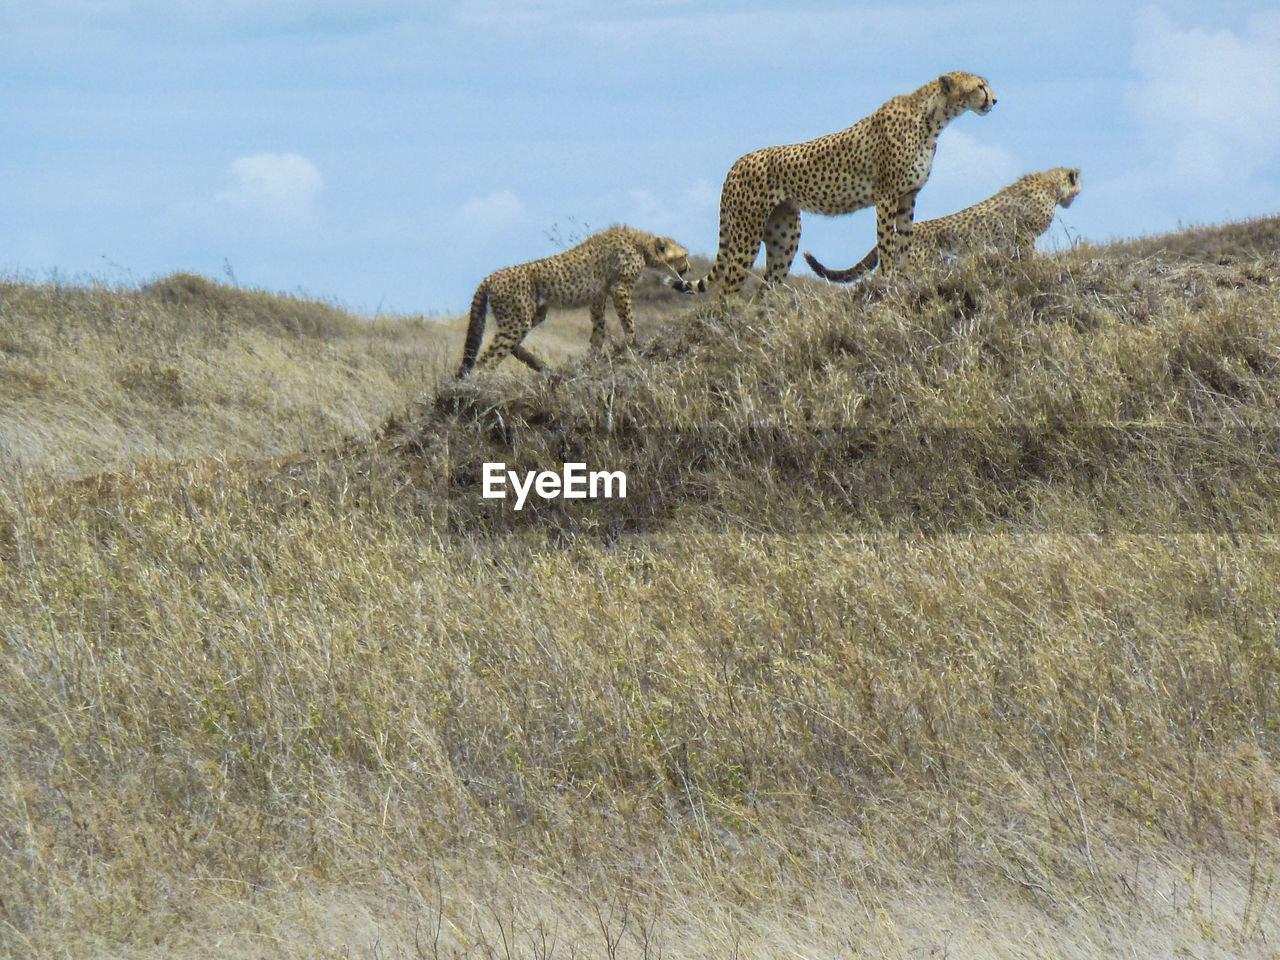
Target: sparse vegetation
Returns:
[941, 617]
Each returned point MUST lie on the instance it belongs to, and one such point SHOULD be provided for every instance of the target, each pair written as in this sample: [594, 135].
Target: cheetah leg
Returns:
[734, 279]
[737, 265]
[511, 320]
[781, 239]
[885, 211]
[621, 294]
[494, 353]
[904, 224]
[742, 249]
[523, 353]
[597, 324]
[526, 356]
[497, 351]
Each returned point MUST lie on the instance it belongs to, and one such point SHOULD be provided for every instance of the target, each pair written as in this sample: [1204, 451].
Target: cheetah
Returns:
[883, 159]
[1009, 221]
[606, 264]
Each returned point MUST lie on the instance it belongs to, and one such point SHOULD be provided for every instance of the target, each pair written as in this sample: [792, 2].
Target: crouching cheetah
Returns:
[604, 265]
[883, 159]
[1008, 221]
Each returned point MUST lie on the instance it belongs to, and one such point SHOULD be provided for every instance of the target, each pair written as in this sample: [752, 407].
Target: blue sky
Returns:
[386, 155]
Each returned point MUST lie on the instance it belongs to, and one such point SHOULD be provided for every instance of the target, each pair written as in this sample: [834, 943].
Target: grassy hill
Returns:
[98, 377]
[940, 618]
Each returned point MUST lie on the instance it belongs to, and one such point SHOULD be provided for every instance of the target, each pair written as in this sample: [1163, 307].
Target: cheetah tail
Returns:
[848, 275]
[475, 329]
[681, 285]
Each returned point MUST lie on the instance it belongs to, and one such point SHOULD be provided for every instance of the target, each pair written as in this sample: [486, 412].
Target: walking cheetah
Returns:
[883, 159]
[1008, 220]
[604, 265]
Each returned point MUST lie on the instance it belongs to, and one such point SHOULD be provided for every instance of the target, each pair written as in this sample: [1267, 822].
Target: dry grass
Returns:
[97, 377]
[1067, 393]
[940, 619]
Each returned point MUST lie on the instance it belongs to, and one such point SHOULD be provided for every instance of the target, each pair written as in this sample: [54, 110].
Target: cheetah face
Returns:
[968, 91]
[667, 251]
[1063, 184]
[1068, 185]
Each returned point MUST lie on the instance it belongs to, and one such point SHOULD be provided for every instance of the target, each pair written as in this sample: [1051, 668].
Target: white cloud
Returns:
[277, 185]
[483, 217]
[701, 195]
[270, 198]
[1206, 101]
[965, 170]
[635, 207]
[645, 211]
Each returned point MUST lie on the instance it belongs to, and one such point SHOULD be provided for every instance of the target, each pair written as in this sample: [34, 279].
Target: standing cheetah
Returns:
[1008, 220]
[604, 265]
[883, 159]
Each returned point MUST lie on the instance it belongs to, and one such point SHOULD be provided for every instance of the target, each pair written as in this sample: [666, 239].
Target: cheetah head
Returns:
[965, 91]
[1066, 184]
[664, 250]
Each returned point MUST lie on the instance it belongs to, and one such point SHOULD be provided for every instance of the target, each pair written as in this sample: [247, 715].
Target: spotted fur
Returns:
[1008, 221]
[883, 159]
[605, 265]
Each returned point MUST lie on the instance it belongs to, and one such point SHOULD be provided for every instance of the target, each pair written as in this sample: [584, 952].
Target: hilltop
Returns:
[1094, 389]
[940, 618]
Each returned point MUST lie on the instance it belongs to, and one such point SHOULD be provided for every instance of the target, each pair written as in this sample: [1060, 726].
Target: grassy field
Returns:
[940, 620]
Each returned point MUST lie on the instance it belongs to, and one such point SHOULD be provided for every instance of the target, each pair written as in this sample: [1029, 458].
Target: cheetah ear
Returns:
[945, 84]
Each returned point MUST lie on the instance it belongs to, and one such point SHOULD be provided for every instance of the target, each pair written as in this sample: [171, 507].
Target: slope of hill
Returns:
[98, 377]
[939, 619]
[1087, 390]
[92, 378]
